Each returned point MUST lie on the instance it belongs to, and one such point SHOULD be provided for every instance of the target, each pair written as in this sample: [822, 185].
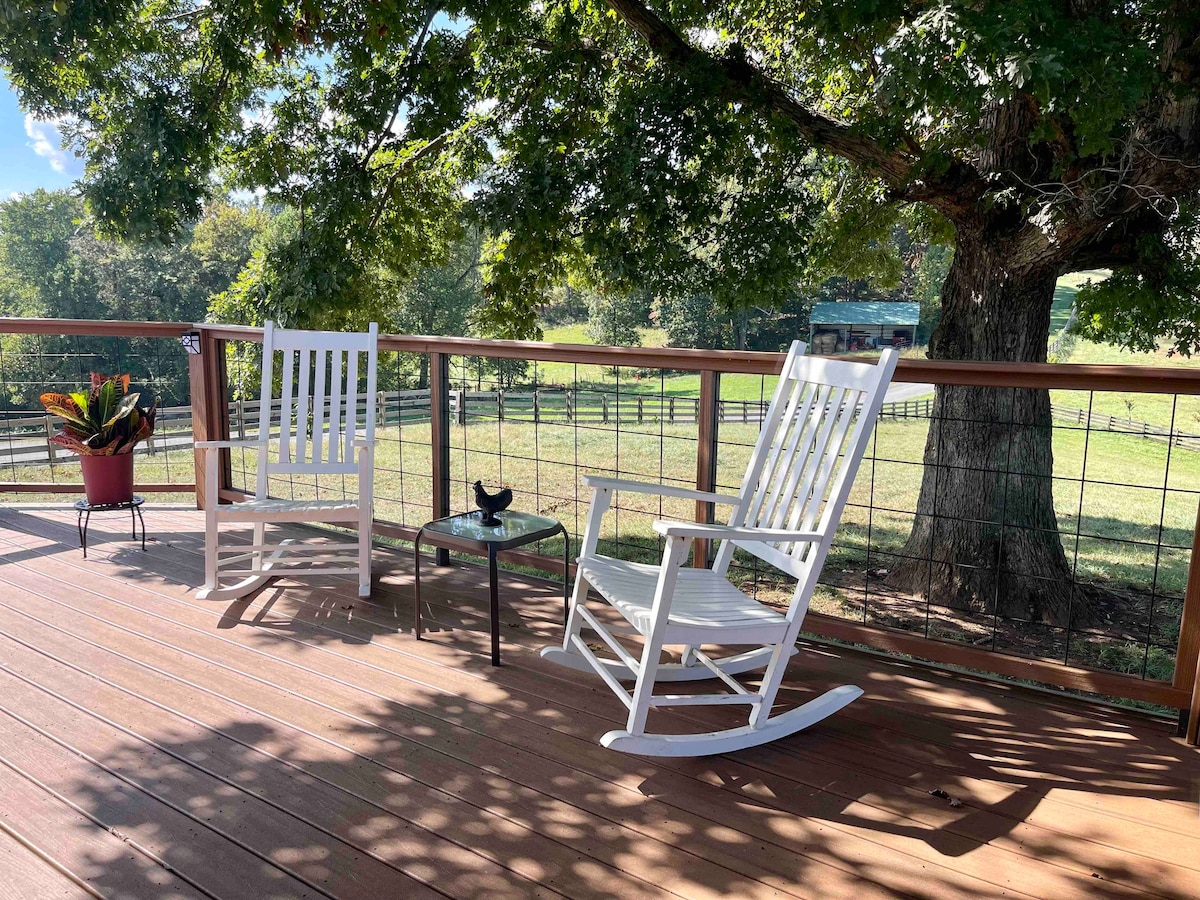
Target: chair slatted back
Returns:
[321, 407]
[803, 465]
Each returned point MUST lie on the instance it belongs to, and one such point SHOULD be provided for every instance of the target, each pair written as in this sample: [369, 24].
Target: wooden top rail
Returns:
[1059, 376]
[94, 327]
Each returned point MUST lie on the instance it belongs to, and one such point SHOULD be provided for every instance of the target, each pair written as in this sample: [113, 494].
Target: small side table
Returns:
[467, 534]
[84, 514]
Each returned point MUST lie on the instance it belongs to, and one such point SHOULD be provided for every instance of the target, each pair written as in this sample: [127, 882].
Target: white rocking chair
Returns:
[322, 441]
[812, 440]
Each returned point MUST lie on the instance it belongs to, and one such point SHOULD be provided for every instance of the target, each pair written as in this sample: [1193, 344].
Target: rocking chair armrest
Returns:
[663, 490]
[227, 445]
[364, 443]
[729, 532]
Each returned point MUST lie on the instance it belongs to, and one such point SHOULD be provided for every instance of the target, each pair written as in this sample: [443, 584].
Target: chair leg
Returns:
[574, 620]
[260, 538]
[771, 680]
[644, 688]
[211, 535]
[364, 556]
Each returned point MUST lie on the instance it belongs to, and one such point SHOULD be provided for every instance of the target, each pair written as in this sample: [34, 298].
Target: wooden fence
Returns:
[1105, 422]
[25, 440]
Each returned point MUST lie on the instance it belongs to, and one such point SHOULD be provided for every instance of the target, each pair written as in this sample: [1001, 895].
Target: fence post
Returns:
[1187, 656]
[707, 418]
[537, 413]
[671, 410]
[439, 440]
[500, 405]
[604, 407]
[570, 414]
[639, 399]
[241, 419]
[460, 407]
[50, 450]
[208, 381]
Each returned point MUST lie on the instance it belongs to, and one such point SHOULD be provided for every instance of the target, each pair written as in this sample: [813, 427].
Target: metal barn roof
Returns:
[862, 313]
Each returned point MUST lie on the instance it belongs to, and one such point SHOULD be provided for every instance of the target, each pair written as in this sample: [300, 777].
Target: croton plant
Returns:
[103, 421]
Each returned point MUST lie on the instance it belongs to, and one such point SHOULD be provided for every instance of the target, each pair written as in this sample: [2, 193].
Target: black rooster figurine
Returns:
[490, 504]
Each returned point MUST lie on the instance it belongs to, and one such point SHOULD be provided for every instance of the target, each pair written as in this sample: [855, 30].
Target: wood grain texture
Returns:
[1188, 654]
[1061, 376]
[706, 457]
[62, 487]
[303, 734]
[1045, 671]
[95, 327]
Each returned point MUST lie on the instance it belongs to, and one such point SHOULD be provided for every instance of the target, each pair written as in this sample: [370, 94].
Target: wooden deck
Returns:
[303, 744]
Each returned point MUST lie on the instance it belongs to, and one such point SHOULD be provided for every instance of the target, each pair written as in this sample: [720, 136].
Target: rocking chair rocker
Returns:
[787, 510]
[321, 441]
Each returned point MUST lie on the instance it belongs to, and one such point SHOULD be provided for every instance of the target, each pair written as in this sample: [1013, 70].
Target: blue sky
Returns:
[29, 151]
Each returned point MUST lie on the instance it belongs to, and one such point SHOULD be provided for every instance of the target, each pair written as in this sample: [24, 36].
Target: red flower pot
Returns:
[108, 479]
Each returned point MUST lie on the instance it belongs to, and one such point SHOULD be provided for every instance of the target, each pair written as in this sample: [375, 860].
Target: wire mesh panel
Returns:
[34, 364]
[538, 427]
[1117, 472]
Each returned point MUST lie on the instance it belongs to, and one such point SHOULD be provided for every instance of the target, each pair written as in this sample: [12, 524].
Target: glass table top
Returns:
[514, 526]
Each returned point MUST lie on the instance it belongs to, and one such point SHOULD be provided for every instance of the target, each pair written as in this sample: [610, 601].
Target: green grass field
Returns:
[1118, 526]
[1126, 505]
[1157, 409]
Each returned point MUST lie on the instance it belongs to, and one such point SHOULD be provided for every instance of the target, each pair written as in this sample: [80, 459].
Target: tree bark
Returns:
[985, 535]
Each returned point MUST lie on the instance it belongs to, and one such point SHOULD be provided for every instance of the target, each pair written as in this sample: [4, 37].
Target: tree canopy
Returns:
[675, 146]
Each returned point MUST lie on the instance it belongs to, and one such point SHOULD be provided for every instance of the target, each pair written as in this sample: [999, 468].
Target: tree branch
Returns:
[751, 85]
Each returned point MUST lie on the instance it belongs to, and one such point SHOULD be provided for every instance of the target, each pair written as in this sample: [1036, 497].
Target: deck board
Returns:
[359, 758]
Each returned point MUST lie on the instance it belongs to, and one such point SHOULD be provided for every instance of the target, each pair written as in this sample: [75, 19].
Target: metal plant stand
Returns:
[467, 534]
[84, 515]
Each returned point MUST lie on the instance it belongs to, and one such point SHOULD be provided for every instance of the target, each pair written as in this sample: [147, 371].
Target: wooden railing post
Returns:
[209, 386]
[439, 439]
[706, 456]
[1187, 655]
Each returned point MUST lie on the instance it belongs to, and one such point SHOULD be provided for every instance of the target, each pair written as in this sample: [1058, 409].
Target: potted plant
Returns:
[103, 425]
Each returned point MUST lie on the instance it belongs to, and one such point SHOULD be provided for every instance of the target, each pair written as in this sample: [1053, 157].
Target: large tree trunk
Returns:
[985, 537]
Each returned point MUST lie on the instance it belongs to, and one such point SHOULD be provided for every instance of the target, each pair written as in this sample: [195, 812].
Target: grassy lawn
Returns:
[1110, 509]
[733, 387]
[1118, 498]
[1157, 409]
[1064, 296]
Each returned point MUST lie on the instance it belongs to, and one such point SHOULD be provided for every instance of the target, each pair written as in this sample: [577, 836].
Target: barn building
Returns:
[841, 327]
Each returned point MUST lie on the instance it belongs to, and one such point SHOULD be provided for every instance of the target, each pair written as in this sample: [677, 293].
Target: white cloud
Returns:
[46, 141]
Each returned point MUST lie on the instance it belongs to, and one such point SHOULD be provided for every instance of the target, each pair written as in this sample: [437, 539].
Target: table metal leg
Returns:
[138, 510]
[417, 585]
[494, 588]
[87, 518]
[566, 576]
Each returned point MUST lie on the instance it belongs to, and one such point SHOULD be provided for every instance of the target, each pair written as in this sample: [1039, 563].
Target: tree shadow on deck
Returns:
[422, 760]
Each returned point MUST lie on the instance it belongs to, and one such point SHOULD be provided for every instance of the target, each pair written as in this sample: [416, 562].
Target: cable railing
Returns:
[536, 417]
[59, 355]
